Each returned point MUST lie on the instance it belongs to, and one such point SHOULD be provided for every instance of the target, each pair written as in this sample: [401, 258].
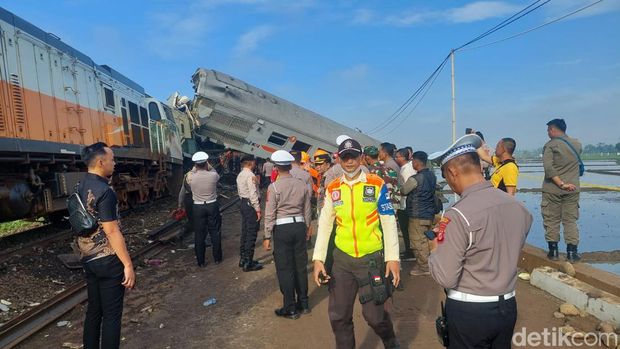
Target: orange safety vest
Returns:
[357, 209]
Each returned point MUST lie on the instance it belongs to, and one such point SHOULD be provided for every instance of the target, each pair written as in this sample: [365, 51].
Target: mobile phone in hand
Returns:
[430, 234]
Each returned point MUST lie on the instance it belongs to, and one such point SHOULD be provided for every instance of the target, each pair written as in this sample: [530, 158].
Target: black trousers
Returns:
[403, 223]
[343, 288]
[481, 325]
[105, 302]
[188, 203]
[249, 229]
[291, 258]
[207, 218]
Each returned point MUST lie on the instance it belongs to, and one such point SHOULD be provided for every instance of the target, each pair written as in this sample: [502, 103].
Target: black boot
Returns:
[241, 262]
[571, 253]
[553, 254]
[251, 265]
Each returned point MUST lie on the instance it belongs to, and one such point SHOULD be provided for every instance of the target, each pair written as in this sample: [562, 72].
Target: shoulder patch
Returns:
[441, 226]
[333, 184]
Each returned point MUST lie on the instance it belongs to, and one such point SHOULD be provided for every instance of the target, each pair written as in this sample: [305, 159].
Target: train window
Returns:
[154, 111]
[168, 112]
[301, 146]
[144, 116]
[109, 98]
[277, 138]
[133, 113]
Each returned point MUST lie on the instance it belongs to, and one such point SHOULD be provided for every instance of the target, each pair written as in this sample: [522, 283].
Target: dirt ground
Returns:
[166, 309]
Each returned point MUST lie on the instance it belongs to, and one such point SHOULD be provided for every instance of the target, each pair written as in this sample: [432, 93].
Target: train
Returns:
[237, 115]
[54, 100]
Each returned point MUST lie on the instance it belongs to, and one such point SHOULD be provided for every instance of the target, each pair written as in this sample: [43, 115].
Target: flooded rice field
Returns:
[599, 221]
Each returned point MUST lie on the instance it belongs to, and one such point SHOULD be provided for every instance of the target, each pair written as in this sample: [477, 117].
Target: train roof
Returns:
[291, 109]
[54, 41]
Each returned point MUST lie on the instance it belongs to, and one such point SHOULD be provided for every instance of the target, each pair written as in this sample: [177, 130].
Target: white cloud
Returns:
[356, 72]
[176, 35]
[480, 10]
[408, 19]
[363, 16]
[250, 40]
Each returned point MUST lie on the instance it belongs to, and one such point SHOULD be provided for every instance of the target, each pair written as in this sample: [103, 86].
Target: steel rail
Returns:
[25, 325]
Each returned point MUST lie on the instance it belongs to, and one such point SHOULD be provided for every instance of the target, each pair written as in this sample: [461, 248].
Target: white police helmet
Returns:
[282, 157]
[466, 144]
[341, 139]
[200, 157]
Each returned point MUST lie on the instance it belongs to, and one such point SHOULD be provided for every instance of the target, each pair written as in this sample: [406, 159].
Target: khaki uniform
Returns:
[287, 217]
[247, 187]
[206, 215]
[560, 206]
[476, 262]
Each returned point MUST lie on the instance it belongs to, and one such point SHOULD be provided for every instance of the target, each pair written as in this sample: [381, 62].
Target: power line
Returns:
[410, 100]
[535, 28]
[525, 11]
[506, 22]
[419, 101]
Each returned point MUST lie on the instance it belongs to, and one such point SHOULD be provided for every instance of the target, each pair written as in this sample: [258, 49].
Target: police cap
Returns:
[349, 146]
[200, 157]
[282, 157]
[466, 144]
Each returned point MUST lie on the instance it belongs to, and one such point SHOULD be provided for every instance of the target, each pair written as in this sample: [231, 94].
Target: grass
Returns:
[10, 228]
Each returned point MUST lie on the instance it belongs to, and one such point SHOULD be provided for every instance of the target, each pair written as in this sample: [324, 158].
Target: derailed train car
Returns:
[53, 101]
[243, 117]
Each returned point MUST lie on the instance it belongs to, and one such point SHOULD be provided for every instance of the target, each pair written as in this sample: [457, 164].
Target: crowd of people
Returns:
[362, 197]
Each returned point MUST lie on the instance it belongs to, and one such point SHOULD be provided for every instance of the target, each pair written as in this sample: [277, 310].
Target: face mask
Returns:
[352, 174]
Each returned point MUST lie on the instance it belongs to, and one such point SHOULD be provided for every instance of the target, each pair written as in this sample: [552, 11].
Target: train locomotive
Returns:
[53, 101]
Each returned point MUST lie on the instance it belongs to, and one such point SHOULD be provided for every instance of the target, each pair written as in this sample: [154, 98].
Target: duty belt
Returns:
[288, 220]
[204, 202]
[472, 298]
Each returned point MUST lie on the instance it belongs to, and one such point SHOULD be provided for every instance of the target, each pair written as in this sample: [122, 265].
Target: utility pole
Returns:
[456, 197]
[453, 99]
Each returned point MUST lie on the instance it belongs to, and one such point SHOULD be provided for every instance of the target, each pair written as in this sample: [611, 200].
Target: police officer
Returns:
[560, 190]
[298, 172]
[475, 253]
[207, 217]
[360, 205]
[287, 222]
[247, 186]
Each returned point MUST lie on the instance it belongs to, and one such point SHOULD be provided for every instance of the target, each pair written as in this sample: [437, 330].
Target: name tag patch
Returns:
[338, 203]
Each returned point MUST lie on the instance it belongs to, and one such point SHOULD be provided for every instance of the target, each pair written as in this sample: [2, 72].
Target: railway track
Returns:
[25, 325]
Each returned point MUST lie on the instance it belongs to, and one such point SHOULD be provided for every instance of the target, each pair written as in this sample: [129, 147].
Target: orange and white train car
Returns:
[54, 100]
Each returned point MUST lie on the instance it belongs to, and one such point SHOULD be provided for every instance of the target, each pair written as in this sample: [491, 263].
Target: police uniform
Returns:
[365, 224]
[287, 218]
[206, 210]
[479, 240]
[247, 188]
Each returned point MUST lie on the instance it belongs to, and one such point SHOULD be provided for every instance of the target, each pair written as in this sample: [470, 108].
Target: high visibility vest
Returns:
[357, 209]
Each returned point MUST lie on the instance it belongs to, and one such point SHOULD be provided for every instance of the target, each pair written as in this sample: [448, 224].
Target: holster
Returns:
[441, 325]
[376, 287]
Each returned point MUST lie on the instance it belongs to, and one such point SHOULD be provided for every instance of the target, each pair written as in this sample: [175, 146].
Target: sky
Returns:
[356, 62]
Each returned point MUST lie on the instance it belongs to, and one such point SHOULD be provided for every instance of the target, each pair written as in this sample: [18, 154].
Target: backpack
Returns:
[83, 223]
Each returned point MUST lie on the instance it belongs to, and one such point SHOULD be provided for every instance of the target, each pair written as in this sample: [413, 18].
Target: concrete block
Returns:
[600, 304]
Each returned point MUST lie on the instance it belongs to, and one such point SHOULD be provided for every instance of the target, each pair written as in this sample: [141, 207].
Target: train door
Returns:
[71, 105]
[58, 96]
[90, 123]
[44, 78]
[14, 103]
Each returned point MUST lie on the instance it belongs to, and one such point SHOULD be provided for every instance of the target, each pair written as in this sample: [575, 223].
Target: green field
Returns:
[10, 228]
